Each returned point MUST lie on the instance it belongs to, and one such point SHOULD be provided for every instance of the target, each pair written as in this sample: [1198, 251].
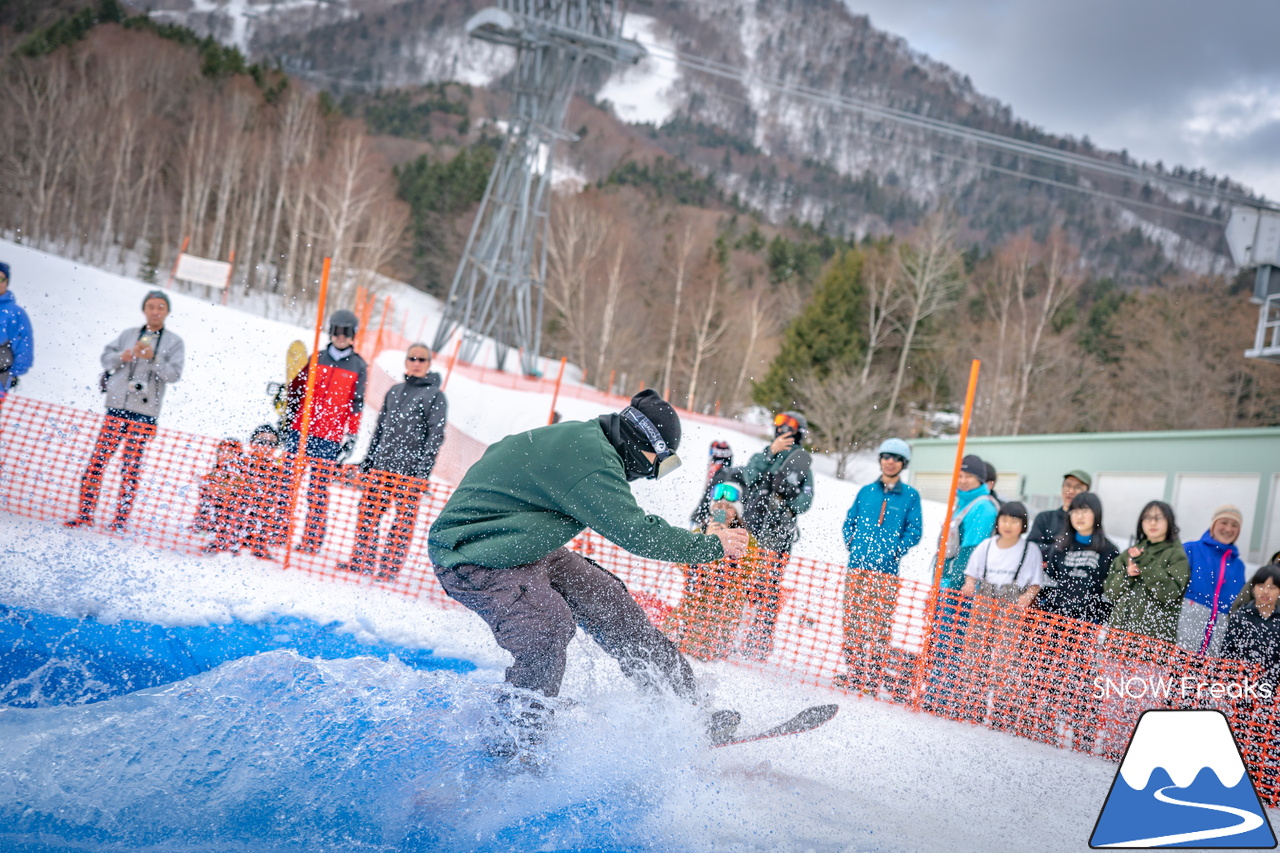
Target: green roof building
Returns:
[1195, 471]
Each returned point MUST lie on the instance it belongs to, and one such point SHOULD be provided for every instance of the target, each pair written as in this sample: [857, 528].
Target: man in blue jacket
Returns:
[17, 349]
[1217, 576]
[882, 525]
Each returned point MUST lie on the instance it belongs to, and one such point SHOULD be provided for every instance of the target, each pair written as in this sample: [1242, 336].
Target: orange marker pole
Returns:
[551, 418]
[941, 560]
[452, 359]
[226, 288]
[307, 402]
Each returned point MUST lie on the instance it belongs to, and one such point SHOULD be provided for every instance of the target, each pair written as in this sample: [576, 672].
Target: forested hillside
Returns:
[668, 265]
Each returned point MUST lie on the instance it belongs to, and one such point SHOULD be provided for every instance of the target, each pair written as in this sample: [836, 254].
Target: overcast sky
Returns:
[1190, 82]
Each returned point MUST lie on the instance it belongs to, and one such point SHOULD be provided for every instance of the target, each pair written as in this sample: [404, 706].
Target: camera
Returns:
[137, 386]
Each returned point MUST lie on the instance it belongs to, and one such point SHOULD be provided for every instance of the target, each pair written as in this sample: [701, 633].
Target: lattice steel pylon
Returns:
[497, 290]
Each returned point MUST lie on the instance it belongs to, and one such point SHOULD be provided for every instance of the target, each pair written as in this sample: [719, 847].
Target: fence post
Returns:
[931, 601]
[453, 358]
[299, 458]
[551, 418]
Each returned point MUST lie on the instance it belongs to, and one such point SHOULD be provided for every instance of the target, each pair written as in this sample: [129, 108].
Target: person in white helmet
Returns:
[883, 524]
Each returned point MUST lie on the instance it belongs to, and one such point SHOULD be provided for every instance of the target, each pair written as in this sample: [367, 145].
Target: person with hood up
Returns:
[882, 525]
[17, 347]
[1217, 576]
[498, 549]
[972, 522]
[1146, 582]
[336, 405]
[719, 469]
[406, 441]
[779, 487]
[140, 364]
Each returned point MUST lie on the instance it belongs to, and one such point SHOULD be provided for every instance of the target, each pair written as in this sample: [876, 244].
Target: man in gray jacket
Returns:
[405, 444]
[139, 365]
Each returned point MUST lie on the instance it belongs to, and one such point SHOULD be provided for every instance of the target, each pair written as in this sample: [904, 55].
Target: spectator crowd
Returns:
[998, 564]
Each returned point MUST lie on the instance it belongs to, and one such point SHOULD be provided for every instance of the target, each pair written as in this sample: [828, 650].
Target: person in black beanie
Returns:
[498, 548]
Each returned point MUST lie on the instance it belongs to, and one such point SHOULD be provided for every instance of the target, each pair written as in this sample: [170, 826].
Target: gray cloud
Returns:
[1183, 81]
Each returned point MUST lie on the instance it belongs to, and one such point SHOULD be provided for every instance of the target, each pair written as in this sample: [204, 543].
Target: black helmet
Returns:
[343, 319]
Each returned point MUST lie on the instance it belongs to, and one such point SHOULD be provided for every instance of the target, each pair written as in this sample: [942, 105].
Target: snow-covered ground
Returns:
[626, 774]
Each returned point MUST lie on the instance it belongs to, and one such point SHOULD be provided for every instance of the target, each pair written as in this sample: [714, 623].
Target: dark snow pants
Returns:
[533, 610]
[135, 431]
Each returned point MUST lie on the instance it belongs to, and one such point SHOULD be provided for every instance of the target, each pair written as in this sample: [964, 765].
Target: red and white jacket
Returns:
[338, 398]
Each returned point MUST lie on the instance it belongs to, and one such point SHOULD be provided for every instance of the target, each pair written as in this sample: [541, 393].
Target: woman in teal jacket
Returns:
[1146, 583]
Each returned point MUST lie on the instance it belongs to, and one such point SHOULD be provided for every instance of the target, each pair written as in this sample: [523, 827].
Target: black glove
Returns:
[348, 445]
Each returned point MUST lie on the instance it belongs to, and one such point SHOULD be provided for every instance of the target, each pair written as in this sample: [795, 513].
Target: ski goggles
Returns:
[667, 460]
[893, 456]
[786, 421]
[342, 331]
[726, 492]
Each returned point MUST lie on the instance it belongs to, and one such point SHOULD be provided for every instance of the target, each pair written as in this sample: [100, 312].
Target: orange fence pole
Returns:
[941, 559]
[551, 418]
[226, 288]
[382, 324]
[453, 358]
[307, 402]
[173, 274]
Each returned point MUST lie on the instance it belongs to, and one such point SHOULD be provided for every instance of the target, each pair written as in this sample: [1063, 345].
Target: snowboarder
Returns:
[406, 440]
[498, 544]
[139, 365]
[336, 405]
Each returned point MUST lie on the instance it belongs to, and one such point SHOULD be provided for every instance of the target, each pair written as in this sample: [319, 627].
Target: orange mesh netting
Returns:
[985, 661]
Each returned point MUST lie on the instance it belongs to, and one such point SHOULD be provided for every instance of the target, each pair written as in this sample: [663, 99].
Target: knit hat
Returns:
[721, 451]
[157, 294]
[1227, 511]
[974, 465]
[661, 414]
[991, 474]
[4, 269]
[1082, 476]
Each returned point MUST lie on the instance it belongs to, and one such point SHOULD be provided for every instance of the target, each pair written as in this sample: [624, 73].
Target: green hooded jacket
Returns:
[1151, 602]
[531, 493]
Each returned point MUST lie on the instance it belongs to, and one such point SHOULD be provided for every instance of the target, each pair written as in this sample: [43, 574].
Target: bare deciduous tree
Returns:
[843, 411]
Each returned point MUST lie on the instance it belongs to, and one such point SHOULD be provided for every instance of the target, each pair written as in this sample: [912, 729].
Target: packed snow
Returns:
[279, 752]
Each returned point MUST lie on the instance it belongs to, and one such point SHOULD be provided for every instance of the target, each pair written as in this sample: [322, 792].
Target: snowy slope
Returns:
[628, 775]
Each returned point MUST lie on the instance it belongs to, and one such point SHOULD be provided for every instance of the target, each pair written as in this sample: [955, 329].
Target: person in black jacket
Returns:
[1253, 634]
[406, 441]
[1052, 523]
[1078, 563]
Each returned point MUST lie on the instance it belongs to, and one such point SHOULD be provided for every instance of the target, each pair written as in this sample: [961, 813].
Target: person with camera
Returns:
[779, 487]
[719, 467]
[337, 401]
[16, 346]
[406, 441]
[139, 365]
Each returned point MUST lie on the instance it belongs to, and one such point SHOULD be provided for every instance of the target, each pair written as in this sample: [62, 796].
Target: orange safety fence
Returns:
[1017, 670]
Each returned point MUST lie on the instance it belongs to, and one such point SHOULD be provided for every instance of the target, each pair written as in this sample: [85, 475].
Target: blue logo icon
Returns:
[1182, 783]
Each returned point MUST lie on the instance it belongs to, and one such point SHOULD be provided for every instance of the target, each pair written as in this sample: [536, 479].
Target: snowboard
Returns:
[295, 358]
[806, 721]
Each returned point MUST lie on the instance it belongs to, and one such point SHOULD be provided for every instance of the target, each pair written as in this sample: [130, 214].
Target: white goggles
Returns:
[667, 460]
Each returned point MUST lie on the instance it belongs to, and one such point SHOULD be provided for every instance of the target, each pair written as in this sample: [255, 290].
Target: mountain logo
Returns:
[1183, 783]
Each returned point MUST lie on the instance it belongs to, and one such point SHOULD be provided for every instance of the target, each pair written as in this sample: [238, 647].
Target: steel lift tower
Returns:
[1253, 236]
[497, 288]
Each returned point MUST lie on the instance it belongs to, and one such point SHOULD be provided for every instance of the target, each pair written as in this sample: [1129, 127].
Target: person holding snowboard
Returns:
[336, 404]
[498, 545]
